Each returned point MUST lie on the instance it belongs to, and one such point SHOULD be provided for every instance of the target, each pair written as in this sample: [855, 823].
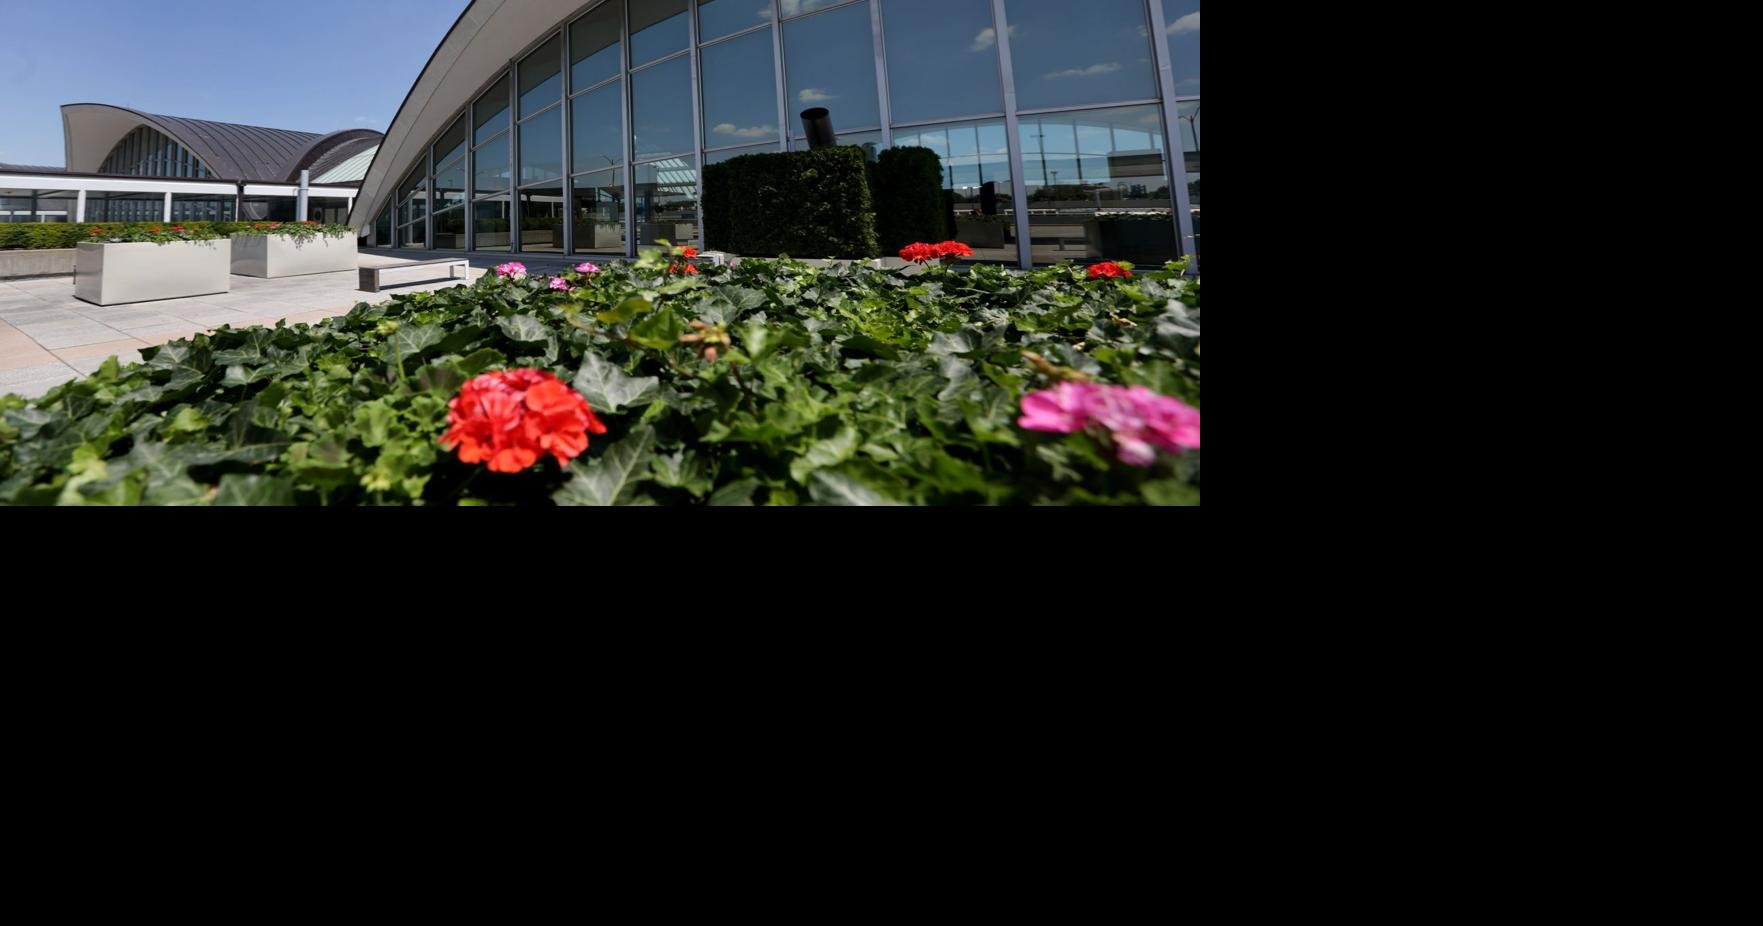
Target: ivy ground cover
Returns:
[768, 383]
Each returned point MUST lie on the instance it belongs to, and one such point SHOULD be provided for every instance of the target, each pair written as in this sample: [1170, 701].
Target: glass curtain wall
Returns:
[592, 139]
[145, 152]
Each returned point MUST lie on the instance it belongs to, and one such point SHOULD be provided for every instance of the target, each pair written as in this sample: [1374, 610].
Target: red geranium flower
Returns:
[158, 228]
[512, 418]
[921, 253]
[94, 231]
[1109, 269]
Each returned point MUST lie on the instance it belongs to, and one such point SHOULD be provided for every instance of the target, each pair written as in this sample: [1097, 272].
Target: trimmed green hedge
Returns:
[37, 236]
[805, 204]
[909, 200]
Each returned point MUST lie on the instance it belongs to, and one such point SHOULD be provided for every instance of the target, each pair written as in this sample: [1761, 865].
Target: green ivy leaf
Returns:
[524, 328]
[835, 488]
[830, 452]
[608, 389]
[659, 331]
[611, 478]
[236, 490]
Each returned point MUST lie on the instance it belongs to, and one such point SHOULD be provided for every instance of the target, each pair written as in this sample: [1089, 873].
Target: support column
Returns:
[1018, 183]
[167, 216]
[79, 209]
[301, 207]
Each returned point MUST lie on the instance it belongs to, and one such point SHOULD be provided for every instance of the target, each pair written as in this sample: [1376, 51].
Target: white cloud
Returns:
[815, 95]
[757, 131]
[988, 37]
[792, 7]
[1188, 23]
[1094, 70]
[360, 118]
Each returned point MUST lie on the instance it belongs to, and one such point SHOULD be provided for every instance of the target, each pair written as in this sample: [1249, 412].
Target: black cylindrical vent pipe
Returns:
[818, 124]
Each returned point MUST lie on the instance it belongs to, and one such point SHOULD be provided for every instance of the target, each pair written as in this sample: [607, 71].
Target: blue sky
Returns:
[312, 65]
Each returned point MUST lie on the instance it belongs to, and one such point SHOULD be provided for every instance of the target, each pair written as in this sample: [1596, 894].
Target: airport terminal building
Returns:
[561, 127]
[129, 166]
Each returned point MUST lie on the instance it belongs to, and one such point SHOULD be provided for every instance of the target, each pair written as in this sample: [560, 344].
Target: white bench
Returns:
[370, 276]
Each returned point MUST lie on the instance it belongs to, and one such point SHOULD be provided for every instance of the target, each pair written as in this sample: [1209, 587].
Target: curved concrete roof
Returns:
[232, 152]
[476, 49]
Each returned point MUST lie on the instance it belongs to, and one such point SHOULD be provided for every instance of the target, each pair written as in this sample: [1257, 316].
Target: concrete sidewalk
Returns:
[48, 337]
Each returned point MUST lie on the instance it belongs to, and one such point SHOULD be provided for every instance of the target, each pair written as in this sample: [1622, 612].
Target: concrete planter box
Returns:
[272, 256]
[49, 262]
[113, 274]
[979, 234]
[1145, 242]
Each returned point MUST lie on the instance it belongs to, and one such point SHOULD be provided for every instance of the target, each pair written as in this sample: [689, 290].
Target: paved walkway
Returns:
[48, 337]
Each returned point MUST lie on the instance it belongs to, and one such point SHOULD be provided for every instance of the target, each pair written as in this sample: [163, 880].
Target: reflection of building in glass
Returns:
[129, 166]
[610, 111]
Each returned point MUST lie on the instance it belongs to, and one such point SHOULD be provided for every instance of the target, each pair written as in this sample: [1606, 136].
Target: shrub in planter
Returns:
[909, 202]
[770, 383]
[807, 204]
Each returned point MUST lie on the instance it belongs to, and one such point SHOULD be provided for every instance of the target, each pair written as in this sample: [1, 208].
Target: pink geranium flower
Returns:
[560, 284]
[513, 271]
[587, 268]
[1135, 421]
[1060, 410]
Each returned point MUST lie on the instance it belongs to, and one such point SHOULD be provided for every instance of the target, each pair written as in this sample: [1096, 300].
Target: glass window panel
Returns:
[717, 157]
[1098, 186]
[1101, 56]
[414, 237]
[491, 111]
[412, 183]
[831, 63]
[594, 44]
[942, 59]
[717, 18]
[195, 208]
[599, 212]
[542, 214]
[598, 124]
[541, 77]
[1181, 19]
[740, 91]
[976, 169]
[661, 109]
[667, 202]
[382, 229]
[658, 28]
[450, 230]
[541, 146]
[272, 209]
[451, 143]
[450, 185]
[491, 224]
[492, 166]
[798, 7]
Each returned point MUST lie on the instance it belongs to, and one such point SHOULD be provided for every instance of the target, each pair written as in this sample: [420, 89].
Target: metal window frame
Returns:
[1174, 156]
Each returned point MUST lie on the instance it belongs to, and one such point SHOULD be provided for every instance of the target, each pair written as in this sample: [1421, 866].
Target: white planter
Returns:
[281, 256]
[113, 274]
